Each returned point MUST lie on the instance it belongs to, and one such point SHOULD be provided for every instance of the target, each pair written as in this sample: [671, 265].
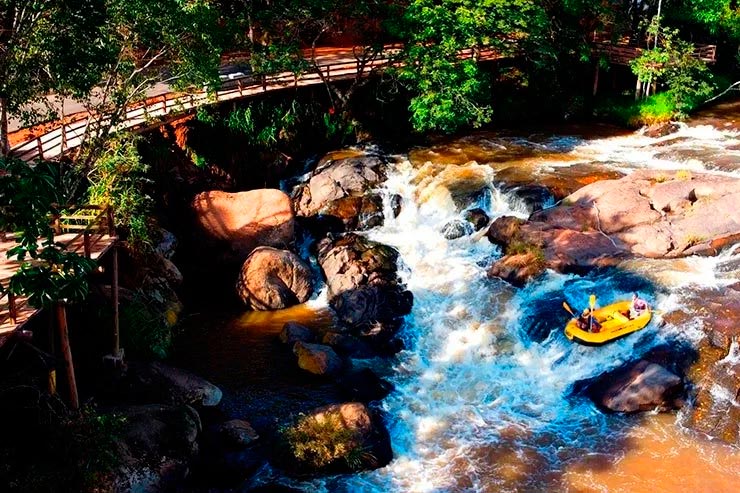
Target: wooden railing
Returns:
[622, 54]
[154, 111]
[92, 224]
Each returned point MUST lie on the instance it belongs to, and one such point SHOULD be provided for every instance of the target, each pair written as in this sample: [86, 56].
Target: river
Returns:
[483, 396]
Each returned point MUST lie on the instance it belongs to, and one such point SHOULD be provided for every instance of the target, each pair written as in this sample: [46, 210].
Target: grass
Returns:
[318, 443]
[518, 247]
[626, 111]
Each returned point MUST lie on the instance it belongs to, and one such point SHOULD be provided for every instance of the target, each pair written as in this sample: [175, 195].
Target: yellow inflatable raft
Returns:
[614, 324]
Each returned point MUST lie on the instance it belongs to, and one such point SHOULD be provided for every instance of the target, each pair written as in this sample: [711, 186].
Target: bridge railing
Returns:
[92, 223]
[153, 111]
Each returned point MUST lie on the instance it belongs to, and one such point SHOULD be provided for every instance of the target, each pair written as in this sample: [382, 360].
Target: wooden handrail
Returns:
[97, 227]
[139, 116]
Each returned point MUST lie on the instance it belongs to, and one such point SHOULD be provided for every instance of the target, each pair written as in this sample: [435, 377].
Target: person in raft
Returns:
[587, 321]
[638, 306]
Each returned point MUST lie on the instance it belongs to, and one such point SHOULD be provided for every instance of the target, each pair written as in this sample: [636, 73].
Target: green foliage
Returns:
[145, 332]
[654, 109]
[523, 248]
[118, 179]
[47, 273]
[276, 124]
[316, 443]
[60, 452]
[687, 78]
[47, 45]
[450, 93]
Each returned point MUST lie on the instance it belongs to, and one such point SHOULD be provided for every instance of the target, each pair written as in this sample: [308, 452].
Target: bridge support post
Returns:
[596, 79]
[116, 324]
[61, 315]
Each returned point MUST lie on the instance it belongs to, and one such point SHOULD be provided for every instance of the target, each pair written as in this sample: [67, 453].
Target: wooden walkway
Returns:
[334, 65]
[88, 235]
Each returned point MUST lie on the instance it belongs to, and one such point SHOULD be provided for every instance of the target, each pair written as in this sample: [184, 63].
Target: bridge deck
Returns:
[99, 245]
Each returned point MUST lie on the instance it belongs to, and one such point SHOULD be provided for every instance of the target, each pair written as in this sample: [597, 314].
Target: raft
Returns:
[614, 324]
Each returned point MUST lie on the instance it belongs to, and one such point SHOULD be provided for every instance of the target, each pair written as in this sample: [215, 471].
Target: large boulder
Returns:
[647, 214]
[333, 439]
[245, 220]
[230, 453]
[340, 187]
[640, 386]
[272, 279]
[157, 382]
[715, 373]
[363, 286]
[154, 446]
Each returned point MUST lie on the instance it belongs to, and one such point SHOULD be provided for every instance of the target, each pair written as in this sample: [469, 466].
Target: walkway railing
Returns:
[154, 111]
[88, 229]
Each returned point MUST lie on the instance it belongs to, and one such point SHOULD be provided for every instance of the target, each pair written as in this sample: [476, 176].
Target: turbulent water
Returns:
[483, 398]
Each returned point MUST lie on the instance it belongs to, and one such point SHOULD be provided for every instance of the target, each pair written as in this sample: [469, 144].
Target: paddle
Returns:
[591, 303]
[567, 307]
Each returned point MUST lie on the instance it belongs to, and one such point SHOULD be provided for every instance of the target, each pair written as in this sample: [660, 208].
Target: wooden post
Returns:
[64, 138]
[596, 79]
[61, 314]
[39, 148]
[116, 323]
[56, 224]
[111, 224]
[52, 377]
[86, 244]
[12, 308]
[264, 82]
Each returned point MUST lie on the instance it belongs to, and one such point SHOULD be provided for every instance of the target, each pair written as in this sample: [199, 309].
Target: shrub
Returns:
[318, 443]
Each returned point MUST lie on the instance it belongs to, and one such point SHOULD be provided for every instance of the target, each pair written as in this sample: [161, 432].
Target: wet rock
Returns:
[363, 286]
[293, 332]
[644, 214]
[245, 220]
[348, 345]
[477, 217]
[155, 431]
[505, 230]
[517, 269]
[272, 279]
[364, 386]
[658, 130]
[234, 433]
[640, 386]
[457, 228]
[341, 437]
[534, 197]
[396, 204]
[339, 187]
[715, 372]
[317, 359]
[230, 454]
[166, 243]
[157, 382]
[357, 213]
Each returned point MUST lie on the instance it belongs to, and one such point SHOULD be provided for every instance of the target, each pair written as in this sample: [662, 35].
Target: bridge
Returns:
[87, 230]
[53, 140]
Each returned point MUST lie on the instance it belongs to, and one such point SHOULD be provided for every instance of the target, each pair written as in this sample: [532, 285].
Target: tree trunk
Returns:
[4, 144]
